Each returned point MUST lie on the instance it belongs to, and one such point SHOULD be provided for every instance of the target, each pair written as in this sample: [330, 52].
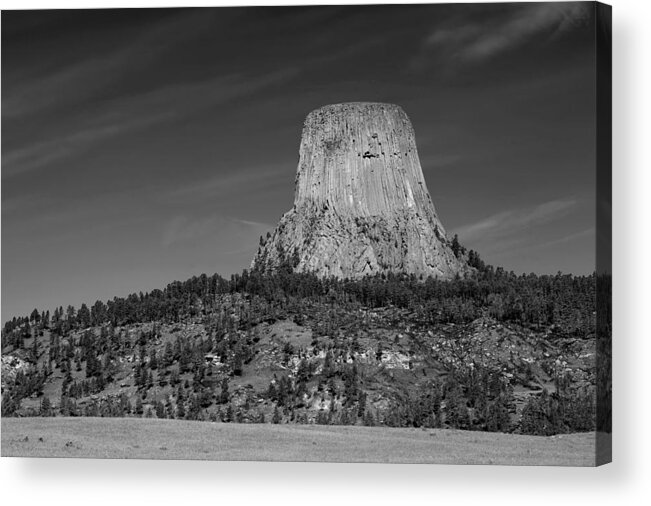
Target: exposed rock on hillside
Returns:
[361, 204]
[10, 367]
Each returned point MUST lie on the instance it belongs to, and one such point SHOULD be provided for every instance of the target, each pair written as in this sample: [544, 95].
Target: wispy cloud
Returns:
[486, 38]
[221, 184]
[127, 114]
[567, 238]
[514, 221]
[519, 247]
[256, 224]
[28, 91]
[440, 161]
[186, 229]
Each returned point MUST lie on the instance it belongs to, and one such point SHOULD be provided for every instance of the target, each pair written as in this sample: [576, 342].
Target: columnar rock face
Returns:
[361, 205]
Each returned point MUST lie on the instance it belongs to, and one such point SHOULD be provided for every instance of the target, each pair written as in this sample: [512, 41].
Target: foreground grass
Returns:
[136, 438]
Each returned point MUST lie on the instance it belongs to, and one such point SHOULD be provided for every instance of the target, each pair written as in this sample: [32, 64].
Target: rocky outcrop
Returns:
[11, 365]
[361, 205]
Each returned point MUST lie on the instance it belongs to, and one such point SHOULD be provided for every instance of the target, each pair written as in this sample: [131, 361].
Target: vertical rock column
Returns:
[361, 205]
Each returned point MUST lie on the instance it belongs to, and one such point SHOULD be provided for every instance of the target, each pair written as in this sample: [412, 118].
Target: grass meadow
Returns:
[137, 438]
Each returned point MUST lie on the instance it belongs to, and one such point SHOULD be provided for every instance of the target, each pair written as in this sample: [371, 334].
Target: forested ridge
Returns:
[493, 351]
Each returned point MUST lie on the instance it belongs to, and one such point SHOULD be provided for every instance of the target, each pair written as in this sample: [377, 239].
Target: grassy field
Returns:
[136, 438]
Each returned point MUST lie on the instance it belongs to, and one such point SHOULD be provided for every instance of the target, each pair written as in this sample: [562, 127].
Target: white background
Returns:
[626, 481]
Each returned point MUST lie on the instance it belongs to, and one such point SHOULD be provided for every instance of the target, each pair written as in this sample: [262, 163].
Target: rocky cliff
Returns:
[361, 204]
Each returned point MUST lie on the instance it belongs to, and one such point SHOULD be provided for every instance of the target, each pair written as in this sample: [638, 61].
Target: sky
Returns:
[143, 146]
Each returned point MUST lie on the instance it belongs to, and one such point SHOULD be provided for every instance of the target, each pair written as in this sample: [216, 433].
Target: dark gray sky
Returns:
[143, 146]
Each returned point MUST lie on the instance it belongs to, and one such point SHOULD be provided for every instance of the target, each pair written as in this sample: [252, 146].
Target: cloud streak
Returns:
[31, 91]
[184, 229]
[567, 238]
[127, 114]
[515, 221]
[484, 39]
[245, 178]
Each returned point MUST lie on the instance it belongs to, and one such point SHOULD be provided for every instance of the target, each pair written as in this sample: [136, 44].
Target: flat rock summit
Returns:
[361, 205]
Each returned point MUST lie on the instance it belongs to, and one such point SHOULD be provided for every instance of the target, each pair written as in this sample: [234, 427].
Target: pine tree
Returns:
[153, 360]
[160, 409]
[46, 407]
[9, 404]
[361, 408]
[33, 352]
[237, 363]
[276, 419]
[180, 409]
[224, 395]
[64, 406]
[497, 418]
[168, 355]
[83, 316]
[456, 247]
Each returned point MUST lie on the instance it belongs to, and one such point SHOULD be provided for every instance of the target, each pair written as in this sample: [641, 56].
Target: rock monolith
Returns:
[361, 205]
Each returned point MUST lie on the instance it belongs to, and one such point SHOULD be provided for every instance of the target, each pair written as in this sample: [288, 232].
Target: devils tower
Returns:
[361, 205]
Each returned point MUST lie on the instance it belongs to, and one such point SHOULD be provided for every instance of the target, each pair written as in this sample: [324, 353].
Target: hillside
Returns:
[493, 353]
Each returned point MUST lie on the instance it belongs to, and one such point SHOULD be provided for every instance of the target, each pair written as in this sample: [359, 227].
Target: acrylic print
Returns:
[338, 234]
